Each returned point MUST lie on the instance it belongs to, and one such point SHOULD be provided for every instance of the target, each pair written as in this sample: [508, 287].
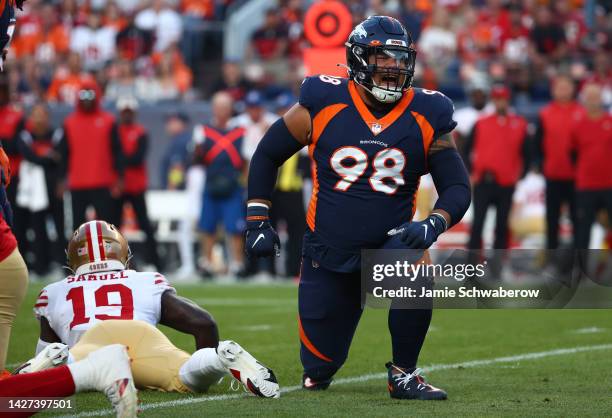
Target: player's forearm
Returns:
[452, 184]
[276, 147]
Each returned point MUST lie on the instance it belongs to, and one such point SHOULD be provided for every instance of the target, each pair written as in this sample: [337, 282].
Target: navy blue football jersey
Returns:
[365, 167]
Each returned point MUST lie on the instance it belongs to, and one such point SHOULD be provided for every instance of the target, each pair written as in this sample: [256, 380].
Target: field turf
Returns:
[492, 363]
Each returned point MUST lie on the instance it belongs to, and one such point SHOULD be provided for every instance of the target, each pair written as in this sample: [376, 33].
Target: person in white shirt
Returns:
[164, 21]
[478, 92]
[104, 303]
[94, 42]
[255, 120]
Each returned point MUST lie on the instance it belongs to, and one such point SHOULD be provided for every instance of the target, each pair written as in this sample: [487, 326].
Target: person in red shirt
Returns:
[592, 143]
[497, 148]
[553, 145]
[134, 142]
[92, 157]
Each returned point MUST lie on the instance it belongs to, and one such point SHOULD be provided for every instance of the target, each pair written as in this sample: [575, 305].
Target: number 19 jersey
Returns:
[365, 166]
[75, 304]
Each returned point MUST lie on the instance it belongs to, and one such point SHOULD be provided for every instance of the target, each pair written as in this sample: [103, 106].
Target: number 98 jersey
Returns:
[75, 304]
[365, 166]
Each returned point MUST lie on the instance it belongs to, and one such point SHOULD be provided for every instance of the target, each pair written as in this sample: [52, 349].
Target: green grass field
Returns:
[492, 363]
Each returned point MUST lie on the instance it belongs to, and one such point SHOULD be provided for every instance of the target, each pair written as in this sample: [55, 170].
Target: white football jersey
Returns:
[75, 304]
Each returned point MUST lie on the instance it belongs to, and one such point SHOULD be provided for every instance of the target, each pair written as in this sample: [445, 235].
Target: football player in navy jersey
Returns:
[370, 138]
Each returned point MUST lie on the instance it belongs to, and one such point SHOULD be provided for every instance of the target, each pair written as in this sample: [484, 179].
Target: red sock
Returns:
[54, 383]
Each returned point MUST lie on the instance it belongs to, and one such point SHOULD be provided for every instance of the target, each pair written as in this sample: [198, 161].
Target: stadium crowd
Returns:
[495, 57]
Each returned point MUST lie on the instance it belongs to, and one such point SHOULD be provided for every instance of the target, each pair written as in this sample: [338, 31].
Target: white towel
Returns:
[32, 187]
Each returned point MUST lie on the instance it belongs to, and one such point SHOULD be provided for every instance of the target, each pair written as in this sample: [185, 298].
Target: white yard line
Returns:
[363, 378]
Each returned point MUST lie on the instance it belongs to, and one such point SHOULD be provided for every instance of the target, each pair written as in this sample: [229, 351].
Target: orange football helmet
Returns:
[97, 246]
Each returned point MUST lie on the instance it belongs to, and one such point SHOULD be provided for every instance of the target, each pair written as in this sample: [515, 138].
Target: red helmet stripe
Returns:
[100, 241]
[89, 244]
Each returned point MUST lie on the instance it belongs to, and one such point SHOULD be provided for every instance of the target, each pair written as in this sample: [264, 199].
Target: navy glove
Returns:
[417, 235]
[261, 239]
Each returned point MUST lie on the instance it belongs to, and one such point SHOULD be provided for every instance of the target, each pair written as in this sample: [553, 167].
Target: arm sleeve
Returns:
[5, 207]
[276, 147]
[138, 157]
[24, 141]
[7, 24]
[452, 183]
[444, 122]
[117, 151]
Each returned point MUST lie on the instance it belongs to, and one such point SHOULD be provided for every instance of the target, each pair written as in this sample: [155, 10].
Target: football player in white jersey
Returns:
[105, 303]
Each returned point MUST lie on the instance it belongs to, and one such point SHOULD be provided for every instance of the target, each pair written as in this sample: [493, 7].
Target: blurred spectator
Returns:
[553, 155]
[270, 41]
[134, 140]
[43, 38]
[73, 13]
[177, 155]
[113, 17]
[528, 211]
[412, 18]
[292, 14]
[38, 189]
[502, 133]
[91, 155]
[177, 174]
[602, 75]
[478, 94]
[438, 43]
[122, 82]
[547, 37]
[157, 87]
[288, 202]
[161, 20]
[219, 148]
[33, 81]
[592, 143]
[174, 71]
[133, 42]
[67, 81]
[515, 40]
[231, 81]
[94, 42]
[572, 21]
[255, 120]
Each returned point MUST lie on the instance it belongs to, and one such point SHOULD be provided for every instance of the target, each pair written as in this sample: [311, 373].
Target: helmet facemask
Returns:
[385, 71]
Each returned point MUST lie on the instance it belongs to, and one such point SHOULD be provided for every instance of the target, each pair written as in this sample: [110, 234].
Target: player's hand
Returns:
[5, 167]
[261, 239]
[417, 235]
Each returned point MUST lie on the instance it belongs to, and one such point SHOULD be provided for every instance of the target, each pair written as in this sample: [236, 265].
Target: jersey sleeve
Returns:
[41, 304]
[443, 120]
[316, 91]
[160, 285]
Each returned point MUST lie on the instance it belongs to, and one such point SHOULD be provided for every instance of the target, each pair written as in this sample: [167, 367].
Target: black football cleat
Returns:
[404, 385]
[309, 384]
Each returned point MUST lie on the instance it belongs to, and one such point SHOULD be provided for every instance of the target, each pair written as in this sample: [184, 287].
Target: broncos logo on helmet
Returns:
[371, 47]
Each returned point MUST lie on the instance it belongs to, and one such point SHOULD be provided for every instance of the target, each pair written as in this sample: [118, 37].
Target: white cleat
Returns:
[113, 377]
[256, 378]
[53, 355]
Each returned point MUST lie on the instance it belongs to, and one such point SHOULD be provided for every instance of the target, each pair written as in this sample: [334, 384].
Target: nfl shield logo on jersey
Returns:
[376, 128]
